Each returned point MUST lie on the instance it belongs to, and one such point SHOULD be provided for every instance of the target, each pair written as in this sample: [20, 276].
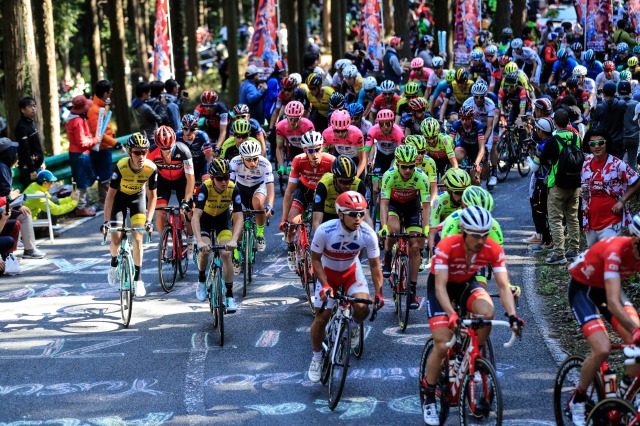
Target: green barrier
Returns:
[59, 164]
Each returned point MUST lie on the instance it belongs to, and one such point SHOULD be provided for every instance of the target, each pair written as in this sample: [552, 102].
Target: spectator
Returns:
[80, 143]
[549, 56]
[392, 67]
[564, 192]
[309, 63]
[361, 61]
[174, 104]
[9, 231]
[631, 128]
[101, 160]
[425, 51]
[252, 93]
[274, 87]
[607, 184]
[44, 181]
[609, 114]
[159, 101]
[30, 154]
[148, 120]
[283, 35]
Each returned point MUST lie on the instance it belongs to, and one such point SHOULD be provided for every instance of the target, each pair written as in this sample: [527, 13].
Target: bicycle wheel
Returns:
[359, 349]
[282, 182]
[339, 364]
[167, 265]
[219, 311]
[211, 293]
[504, 158]
[126, 295]
[183, 264]
[565, 386]
[523, 165]
[246, 261]
[442, 387]
[480, 396]
[308, 279]
[486, 351]
[403, 290]
[612, 411]
[326, 358]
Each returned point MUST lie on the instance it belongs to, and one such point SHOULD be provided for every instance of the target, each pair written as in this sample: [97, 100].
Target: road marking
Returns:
[268, 339]
[66, 266]
[193, 382]
[278, 410]
[150, 419]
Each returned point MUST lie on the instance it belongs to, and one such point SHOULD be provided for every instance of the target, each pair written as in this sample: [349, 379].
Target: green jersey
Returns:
[443, 148]
[450, 226]
[395, 188]
[441, 208]
[429, 167]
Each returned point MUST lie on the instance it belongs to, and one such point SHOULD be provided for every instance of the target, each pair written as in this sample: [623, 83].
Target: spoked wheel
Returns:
[220, 308]
[246, 260]
[523, 165]
[442, 387]
[480, 396]
[357, 351]
[504, 158]
[282, 182]
[211, 293]
[564, 389]
[308, 279]
[339, 364]
[612, 412]
[183, 265]
[402, 293]
[167, 265]
[126, 291]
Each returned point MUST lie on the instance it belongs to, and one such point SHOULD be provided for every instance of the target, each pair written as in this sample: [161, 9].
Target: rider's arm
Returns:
[384, 211]
[288, 197]
[260, 138]
[443, 108]
[481, 149]
[108, 202]
[280, 151]
[195, 224]
[362, 161]
[317, 220]
[151, 203]
[271, 194]
[223, 133]
[316, 262]
[504, 291]
[274, 117]
[376, 274]
[613, 287]
[238, 221]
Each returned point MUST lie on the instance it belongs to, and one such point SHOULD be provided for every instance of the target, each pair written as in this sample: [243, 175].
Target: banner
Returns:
[634, 13]
[580, 6]
[371, 29]
[263, 50]
[466, 28]
[597, 24]
[162, 64]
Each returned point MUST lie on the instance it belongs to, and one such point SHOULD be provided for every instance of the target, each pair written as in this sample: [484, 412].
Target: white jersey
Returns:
[601, 78]
[241, 174]
[528, 56]
[339, 248]
[434, 80]
[483, 112]
[365, 126]
[589, 86]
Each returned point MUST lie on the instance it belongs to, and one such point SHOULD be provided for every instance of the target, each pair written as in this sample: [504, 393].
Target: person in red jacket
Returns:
[549, 56]
[80, 142]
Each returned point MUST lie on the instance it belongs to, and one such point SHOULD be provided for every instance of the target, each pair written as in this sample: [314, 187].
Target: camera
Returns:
[184, 94]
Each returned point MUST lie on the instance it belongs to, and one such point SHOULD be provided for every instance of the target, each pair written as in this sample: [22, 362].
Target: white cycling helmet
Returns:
[369, 83]
[476, 219]
[311, 138]
[516, 43]
[341, 63]
[437, 62]
[296, 77]
[250, 149]
[580, 71]
[634, 226]
[545, 124]
[479, 88]
[350, 71]
[388, 86]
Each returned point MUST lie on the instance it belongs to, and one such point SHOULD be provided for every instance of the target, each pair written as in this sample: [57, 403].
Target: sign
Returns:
[597, 23]
[371, 29]
[466, 27]
[263, 50]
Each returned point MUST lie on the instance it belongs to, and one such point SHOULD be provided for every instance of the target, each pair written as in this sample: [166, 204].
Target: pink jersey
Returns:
[293, 136]
[386, 144]
[422, 78]
[349, 146]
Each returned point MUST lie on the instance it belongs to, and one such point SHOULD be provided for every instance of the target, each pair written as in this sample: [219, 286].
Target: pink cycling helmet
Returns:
[385, 115]
[417, 63]
[340, 120]
[294, 109]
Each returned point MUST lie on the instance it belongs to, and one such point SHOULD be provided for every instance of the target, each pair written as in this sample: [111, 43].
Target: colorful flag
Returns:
[580, 7]
[597, 19]
[634, 13]
[263, 50]
[162, 66]
[466, 28]
[371, 29]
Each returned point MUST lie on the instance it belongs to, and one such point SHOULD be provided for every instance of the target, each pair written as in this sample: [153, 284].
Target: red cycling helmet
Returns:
[340, 120]
[467, 111]
[504, 59]
[289, 83]
[294, 109]
[385, 115]
[164, 137]
[609, 66]
[350, 201]
[208, 98]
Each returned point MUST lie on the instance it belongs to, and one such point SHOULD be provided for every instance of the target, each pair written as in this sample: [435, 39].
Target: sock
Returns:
[202, 276]
[114, 261]
[413, 285]
[260, 232]
[580, 397]
[136, 274]
[430, 396]
[387, 259]
[291, 247]
[494, 170]
[229, 289]
[191, 239]
[317, 356]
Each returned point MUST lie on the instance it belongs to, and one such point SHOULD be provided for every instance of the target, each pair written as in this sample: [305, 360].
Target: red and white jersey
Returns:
[293, 136]
[241, 174]
[349, 146]
[302, 170]
[609, 258]
[421, 78]
[181, 162]
[386, 144]
[340, 248]
[451, 256]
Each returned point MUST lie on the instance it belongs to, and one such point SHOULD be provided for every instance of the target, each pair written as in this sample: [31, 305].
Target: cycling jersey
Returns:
[589, 86]
[365, 126]
[428, 166]
[212, 122]
[441, 88]
[230, 148]
[481, 70]
[381, 103]
[409, 124]
[610, 258]
[602, 78]
[450, 226]
[451, 256]
[518, 99]
[255, 128]
[290, 136]
[483, 112]
[580, 96]
[211, 201]
[528, 56]
[351, 92]
[593, 69]
[242, 175]
[181, 162]
[363, 99]
[302, 170]
[129, 182]
[195, 146]
[385, 144]
[523, 81]
[473, 136]
[562, 71]
[442, 147]
[435, 79]
[326, 194]
[422, 78]
[350, 145]
[441, 208]
[394, 187]
[322, 104]
[458, 94]
[402, 106]
[298, 95]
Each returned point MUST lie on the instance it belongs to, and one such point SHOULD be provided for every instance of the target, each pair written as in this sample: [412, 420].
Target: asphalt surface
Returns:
[66, 359]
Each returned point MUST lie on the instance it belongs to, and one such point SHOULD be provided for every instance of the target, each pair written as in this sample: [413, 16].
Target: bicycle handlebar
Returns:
[483, 323]
[405, 235]
[350, 299]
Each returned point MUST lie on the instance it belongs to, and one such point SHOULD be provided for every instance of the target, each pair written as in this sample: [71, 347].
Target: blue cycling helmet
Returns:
[355, 109]
[636, 49]
[477, 55]
[45, 176]
[589, 55]
[622, 47]
[563, 54]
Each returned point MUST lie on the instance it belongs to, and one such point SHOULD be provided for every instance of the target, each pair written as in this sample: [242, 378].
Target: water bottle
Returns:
[610, 383]
[452, 368]
[624, 386]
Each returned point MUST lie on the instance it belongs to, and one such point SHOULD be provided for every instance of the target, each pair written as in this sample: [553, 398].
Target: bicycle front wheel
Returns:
[211, 293]
[403, 290]
[183, 264]
[480, 396]
[504, 158]
[308, 279]
[564, 389]
[246, 262]
[612, 412]
[523, 165]
[167, 264]
[339, 364]
[442, 387]
[126, 291]
[219, 311]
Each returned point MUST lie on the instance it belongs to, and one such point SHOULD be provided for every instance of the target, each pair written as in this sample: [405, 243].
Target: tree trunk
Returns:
[326, 22]
[289, 16]
[401, 21]
[302, 36]
[337, 30]
[94, 47]
[387, 13]
[32, 61]
[76, 52]
[444, 22]
[231, 21]
[63, 55]
[136, 12]
[46, 51]
[502, 17]
[177, 39]
[15, 75]
[519, 17]
[191, 18]
[118, 58]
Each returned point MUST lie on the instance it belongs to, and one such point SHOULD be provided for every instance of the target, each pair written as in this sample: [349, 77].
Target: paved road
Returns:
[67, 360]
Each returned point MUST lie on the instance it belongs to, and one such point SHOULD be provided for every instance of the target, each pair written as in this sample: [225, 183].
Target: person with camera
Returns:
[174, 98]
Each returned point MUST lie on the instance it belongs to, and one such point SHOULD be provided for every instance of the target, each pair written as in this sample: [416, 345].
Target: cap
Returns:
[80, 104]
[252, 70]
[609, 88]
[7, 143]
[624, 87]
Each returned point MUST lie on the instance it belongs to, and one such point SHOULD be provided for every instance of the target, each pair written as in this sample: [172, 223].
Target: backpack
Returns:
[569, 165]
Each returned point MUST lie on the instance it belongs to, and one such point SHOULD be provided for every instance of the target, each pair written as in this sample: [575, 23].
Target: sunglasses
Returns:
[479, 236]
[478, 97]
[370, 91]
[241, 135]
[341, 131]
[242, 116]
[597, 143]
[419, 111]
[289, 90]
[166, 149]
[355, 214]
[386, 124]
[293, 118]
[356, 118]
[251, 160]
[387, 94]
[407, 166]
[458, 193]
[466, 118]
[422, 152]
[345, 182]
[188, 129]
[222, 178]
[313, 87]
[312, 150]
[139, 153]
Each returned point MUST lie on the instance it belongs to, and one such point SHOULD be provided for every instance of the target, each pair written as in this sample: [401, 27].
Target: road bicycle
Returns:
[125, 271]
[337, 343]
[511, 152]
[172, 248]
[283, 178]
[468, 380]
[247, 248]
[304, 268]
[215, 289]
[374, 203]
[613, 412]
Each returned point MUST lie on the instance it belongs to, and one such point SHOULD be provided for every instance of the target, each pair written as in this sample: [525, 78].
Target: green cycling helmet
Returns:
[511, 67]
[477, 196]
[411, 88]
[406, 154]
[456, 179]
[625, 75]
[430, 127]
[417, 141]
[241, 127]
[450, 76]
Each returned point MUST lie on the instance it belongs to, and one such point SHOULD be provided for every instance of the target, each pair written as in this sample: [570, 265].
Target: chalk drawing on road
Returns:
[277, 303]
[193, 388]
[407, 404]
[65, 266]
[351, 408]
[64, 348]
[412, 336]
[278, 410]
[150, 419]
[102, 387]
[268, 339]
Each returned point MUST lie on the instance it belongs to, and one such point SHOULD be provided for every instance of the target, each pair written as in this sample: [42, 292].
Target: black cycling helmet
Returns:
[137, 140]
[218, 167]
[343, 167]
[314, 79]
[336, 101]
[553, 91]
[511, 79]
[572, 82]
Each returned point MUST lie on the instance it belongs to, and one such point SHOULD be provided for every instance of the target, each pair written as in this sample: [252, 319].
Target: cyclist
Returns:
[336, 103]
[436, 76]
[210, 215]
[456, 94]
[231, 147]
[319, 99]
[175, 173]
[351, 84]
[410, 123]
[456, 181]
[290, 92]
[532, 65]
[411, 91]
[562, 67]
[436, 99]
[342, 138]
[253, 177]
[522, 78]
[387, 100]
[424, 162]
[452, 280]
[470, 134]
[356, 112]
[512, 97]
[622, 55]
[419, 74]
[306, 170]
[404, 202]
[499, 74]
[196, 140]
[594, 67]
[609, 74]
[216, 116]
[368, 94]
[382, 140]
[132, 177]
[439, 146]
[479, 68]
[241, 112]
[337, 264]
[485, 112]
[595, 291]
[587, 85]
[289, 131]
[574, 90]
[507, 35]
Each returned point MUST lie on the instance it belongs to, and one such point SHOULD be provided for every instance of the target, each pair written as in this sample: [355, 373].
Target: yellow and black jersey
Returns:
[129, 182]
[213, 202]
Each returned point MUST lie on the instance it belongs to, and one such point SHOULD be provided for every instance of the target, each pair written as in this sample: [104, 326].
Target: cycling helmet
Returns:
[467, 111]
[491, 50]
[241, 127]
[504, 60]
[430, 127]
[476, 55]
[589, 55]
[417, 63]
[314, 79]
[563, 54]
[553, 91]
[576, 46]
[479, 88]
[507, 32]
[511, 79]
[343, 167]
[580, 71]
[297, 78]
[417, 141]
[477, 196]
[450, 76]
[350, 201]
[311, 138]
[250, 149]
[341, 64]
[634, 226]
[437, 62]
[294, 109]
[208, 98]
[622, 47]
[336, 101]
[369, 83]
[289, 83]
[387, 86]
[625, 75]
[456, 179]
[418, 104]
[511, 67]
[636, 50]
[384, 115]
[406, 154]
[545, 124]
[218, 167]
[411, 88]
[355, 109]
[189, 120]
[340, 120]
[609, 66]
[462, 75]
[241, 109]
[351, 71]
[572, 82]
[475, 219]
[632, 62]
[164, 137]
[516, 43]
[45, 176]
[137, 140]
[543, 104]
